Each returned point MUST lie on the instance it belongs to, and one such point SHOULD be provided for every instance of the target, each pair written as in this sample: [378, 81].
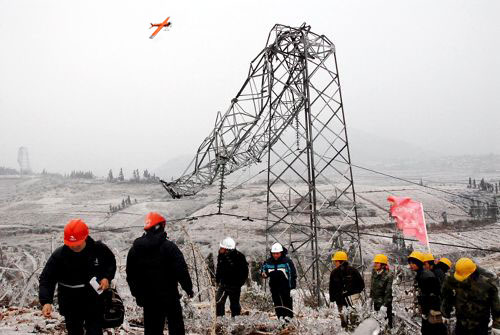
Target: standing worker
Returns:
[430, 265]
[282, 278]
[381, 286]
[155, 266]
[72, 267]
[474, 297]
[230, 276]
[428, 295]
[441, 269]
[346, 284]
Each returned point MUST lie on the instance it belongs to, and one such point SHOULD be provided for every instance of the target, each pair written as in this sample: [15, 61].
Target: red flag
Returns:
[409, 217]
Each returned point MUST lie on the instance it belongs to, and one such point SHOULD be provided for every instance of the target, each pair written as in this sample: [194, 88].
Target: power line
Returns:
[412, 182]
[369, 234]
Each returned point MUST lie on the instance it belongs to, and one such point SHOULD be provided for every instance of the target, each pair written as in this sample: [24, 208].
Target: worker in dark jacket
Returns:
[72, 267]
[441, 268]
[282, 278]
[381, 286]
[155, 266]
[428, 295]
[430, 265]
[346, 284]
[474, 295]
[230, 276]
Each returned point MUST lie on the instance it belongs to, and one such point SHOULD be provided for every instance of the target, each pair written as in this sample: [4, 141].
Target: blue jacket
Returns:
[281, 272]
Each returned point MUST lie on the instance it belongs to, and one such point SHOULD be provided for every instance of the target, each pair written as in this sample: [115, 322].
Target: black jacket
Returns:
[440, 274]
[154, 267]
[345, 281]
[232, 269]
[73, 271]
[429, 291]
[281, 272]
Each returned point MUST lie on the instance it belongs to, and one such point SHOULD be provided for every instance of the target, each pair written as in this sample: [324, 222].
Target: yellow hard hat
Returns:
[380, 258]
[464, 268]
[417, 255]
[428, 258]
[339, 256]
[446, 261]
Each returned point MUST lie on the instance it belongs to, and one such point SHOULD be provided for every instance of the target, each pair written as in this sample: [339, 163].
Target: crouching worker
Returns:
[474, 297]
[155, 266]
[231, 275]
[282, 278]
[381, 287]
[346, 284]
[72, 267]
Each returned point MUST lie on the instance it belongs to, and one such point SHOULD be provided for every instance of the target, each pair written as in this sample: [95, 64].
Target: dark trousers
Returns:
[76, 322]
[155, 313]
[223, 292]
[389, 313]
[283, 302]
[433, 328]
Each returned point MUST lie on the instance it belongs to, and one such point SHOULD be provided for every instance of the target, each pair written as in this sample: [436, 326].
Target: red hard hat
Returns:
[75, 232]
[152, 219]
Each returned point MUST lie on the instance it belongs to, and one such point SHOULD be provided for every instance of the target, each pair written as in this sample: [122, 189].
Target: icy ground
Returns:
[33, 212]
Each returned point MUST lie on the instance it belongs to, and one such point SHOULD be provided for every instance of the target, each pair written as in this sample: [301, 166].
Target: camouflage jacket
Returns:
[474, 300]
[381, 288]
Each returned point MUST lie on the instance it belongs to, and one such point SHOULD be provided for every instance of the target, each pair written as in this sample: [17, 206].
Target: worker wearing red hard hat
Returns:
[155, 266]
[72, 267]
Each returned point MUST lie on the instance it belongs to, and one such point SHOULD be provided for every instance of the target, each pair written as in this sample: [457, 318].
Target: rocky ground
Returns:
[34, 210]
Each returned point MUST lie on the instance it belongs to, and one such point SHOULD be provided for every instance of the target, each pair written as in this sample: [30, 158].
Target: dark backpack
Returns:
[114, 311]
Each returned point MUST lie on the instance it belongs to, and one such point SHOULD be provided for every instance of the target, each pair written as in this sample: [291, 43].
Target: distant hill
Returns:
[368, 148]
[173, 168]
[378, 152]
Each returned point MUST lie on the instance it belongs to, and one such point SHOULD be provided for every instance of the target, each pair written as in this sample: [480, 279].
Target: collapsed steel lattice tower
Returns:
[289, 112]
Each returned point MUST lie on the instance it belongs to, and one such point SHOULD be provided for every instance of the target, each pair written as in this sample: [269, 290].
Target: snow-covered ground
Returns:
[34, 210]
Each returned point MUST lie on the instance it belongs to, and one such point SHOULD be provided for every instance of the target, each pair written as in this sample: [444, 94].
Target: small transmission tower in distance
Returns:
[23, 160]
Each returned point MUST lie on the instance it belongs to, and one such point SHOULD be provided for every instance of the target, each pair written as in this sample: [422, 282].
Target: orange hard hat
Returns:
[75, 233]
[152, 219]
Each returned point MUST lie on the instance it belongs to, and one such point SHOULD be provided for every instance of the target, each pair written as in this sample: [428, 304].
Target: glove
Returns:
[446, 321]
[495, 331]
[383, 309]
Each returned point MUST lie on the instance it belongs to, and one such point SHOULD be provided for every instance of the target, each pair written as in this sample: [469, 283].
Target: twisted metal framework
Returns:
[289, 112]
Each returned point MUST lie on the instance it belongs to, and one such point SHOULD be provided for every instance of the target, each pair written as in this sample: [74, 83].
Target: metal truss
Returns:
[289, 112]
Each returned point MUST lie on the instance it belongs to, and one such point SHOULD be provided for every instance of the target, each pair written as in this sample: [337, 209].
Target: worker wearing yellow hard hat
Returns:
[472, 292]
[381, 287]
[428, 294]
[346, 284]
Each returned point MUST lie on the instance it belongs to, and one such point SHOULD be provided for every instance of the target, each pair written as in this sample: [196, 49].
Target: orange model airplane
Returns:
[160, 26]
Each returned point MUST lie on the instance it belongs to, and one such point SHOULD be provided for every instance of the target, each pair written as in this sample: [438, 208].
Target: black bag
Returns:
[114, 311]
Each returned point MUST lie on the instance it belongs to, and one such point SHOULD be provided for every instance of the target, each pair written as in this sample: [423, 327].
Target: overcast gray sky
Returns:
[83, 87]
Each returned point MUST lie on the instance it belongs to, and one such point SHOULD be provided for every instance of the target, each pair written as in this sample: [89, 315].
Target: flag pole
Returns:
[425, 228]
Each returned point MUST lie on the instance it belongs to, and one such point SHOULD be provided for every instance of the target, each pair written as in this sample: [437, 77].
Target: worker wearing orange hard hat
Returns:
[73, 267]
[155, 267]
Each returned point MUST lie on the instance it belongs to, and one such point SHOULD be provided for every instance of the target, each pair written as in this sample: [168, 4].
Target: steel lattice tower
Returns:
[290, 112]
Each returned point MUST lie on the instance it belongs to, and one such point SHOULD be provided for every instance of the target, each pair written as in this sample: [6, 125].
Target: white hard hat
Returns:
[228, 243]
[277, 248]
